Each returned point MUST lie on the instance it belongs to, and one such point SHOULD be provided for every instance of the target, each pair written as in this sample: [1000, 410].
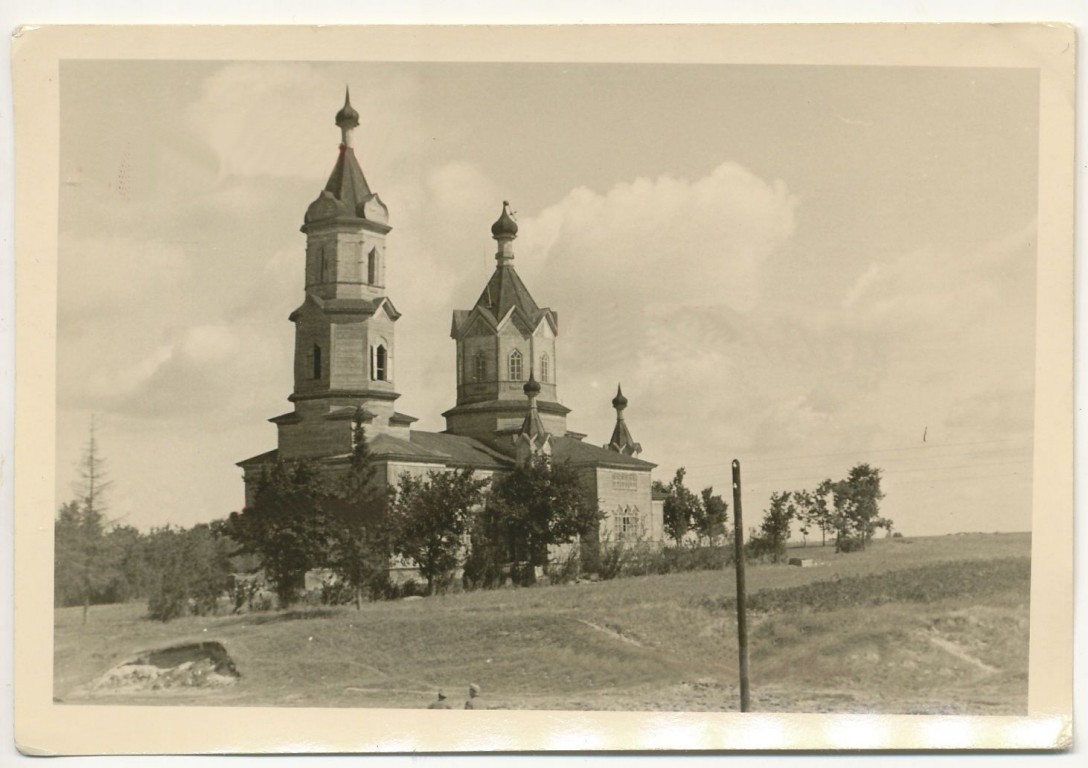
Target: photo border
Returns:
[43, 727]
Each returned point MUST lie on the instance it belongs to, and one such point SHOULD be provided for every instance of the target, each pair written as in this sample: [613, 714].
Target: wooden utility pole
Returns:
[742, 619]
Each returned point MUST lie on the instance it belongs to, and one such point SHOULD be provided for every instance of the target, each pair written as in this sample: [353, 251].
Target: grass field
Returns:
[927, 625]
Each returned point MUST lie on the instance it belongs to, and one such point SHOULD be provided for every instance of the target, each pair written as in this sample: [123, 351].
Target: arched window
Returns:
[317, 361]
[514, 366]
[372, 267]
[544, 367]
[479, 367]
[379, 363]
[626, 523]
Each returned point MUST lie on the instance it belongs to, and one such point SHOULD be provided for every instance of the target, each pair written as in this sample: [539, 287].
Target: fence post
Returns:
[742, 619]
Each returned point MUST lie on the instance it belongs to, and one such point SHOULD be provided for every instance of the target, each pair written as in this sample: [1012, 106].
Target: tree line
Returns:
[353, 524]
[304, 519]
[847, 509]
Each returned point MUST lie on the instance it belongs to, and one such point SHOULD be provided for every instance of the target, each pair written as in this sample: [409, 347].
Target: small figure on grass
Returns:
[473, 692]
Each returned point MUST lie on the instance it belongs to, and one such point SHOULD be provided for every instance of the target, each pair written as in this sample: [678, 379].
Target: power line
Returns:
[929, 447]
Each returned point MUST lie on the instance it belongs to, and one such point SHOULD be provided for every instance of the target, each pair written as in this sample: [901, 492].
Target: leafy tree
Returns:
[713, 517]
[774, 531]
[82, 564]
[286, 526]
[803, 504]
[682, 508]
[539, 504]
[816, 511]
[431, 516]
[126, 548]
[188, 571]
[857, 507]
[360, 531]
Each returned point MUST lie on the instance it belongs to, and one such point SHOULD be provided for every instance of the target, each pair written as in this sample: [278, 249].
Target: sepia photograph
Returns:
[415, 383]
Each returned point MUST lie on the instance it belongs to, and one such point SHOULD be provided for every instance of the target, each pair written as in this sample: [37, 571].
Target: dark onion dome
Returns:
[347, 117]
[505, 226]
[619, 401]
[532, 386]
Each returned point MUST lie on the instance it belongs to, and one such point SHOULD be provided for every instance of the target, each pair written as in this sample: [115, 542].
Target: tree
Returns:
[431, 516]
[713, 515]
[774, 531]
[188, 571]
[819, 512]
[537, 505]
[286, 526]
[857, 508]
[682, 508]
[82, 565]
[361, 536]
[125, 547]
[803, 505]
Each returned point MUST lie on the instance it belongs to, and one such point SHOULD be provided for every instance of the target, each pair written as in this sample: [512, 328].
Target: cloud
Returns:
[240, 117]
[702, 240]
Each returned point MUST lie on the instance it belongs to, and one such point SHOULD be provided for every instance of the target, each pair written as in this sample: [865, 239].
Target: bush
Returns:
[336, 592]
[188, 571]
[849, 544]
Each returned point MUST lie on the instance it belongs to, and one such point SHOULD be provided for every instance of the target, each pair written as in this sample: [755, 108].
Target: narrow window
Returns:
[544, 367]
[515, 366]
[327, 265]
[479, 367]
[372, 267]
[380, 363]
[317, 361]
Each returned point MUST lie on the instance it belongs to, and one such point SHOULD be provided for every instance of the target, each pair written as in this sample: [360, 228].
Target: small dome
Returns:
[619, 401]
[532, 386]
[505, 226]
[347, 117]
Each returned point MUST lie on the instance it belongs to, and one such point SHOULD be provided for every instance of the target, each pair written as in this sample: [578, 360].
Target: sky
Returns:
[800, 267]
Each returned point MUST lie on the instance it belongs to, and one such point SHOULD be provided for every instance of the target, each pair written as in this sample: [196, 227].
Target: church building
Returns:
[507, 368]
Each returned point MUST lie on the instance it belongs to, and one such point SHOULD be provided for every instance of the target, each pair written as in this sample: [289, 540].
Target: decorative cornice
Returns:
[329, 394]
[345, 221]
[514, 406]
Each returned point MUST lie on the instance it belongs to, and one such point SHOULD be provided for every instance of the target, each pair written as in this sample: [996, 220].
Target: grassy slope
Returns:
[655, 642]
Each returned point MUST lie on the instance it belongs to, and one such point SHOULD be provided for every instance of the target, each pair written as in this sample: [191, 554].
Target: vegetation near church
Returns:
[705, 513]
[431, 517]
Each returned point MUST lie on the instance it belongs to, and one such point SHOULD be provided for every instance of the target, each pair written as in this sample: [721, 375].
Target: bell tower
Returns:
[345, 353]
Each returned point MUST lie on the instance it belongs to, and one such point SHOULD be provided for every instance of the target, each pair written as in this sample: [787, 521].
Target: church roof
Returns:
[346, 182]
[621, 438]
[504, 291]
[579, 453]
[460, 450]
[448, 450]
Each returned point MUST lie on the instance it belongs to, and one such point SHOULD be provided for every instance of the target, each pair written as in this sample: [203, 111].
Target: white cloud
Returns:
[702, 241]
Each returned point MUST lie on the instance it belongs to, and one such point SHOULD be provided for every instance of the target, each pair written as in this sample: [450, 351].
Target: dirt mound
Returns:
[193, 665]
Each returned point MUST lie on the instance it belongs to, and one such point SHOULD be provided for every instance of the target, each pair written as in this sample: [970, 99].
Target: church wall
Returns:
[311, 329]
[544, 344]
[349, 355]
[470, 390]
[337, 263]
[379, 330]
[509, 339]
[315, 437]
[619, 489]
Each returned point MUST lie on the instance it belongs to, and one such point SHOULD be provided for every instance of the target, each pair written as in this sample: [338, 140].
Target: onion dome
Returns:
[532, 386]
[619, 401]
[347, 117]
[505, 226]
